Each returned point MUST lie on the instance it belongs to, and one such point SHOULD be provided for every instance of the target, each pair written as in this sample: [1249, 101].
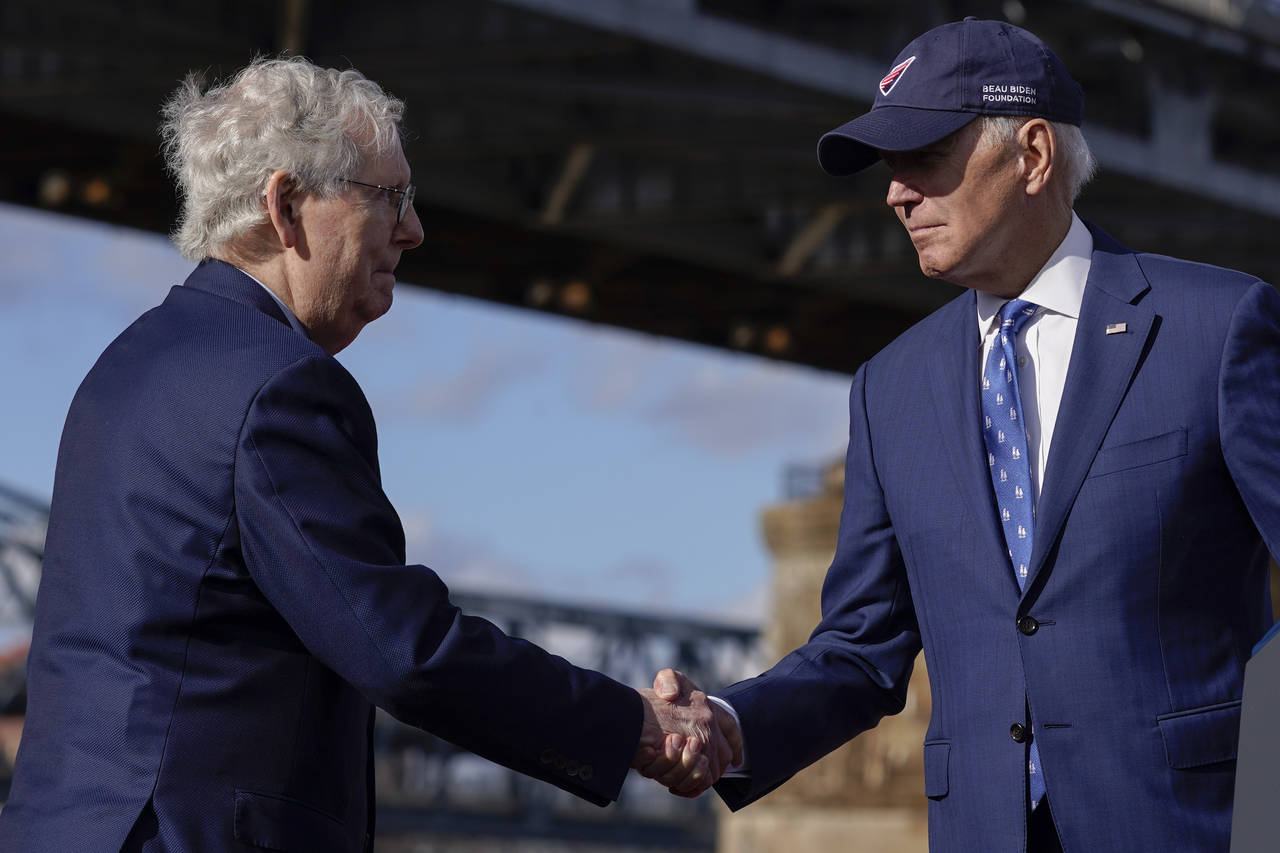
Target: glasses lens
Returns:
[406, 202]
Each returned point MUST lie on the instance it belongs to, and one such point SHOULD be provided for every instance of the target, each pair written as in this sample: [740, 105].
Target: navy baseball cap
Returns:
[945, 79]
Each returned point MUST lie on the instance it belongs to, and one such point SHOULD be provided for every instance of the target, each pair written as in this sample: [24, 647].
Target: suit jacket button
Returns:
[560, 761]
[1018, 732]
[572, 767]
[585, 772]
[1028, 625]
[547, 756]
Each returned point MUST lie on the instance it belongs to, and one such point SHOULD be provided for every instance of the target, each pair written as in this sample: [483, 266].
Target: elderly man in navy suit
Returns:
[225, 597]
[1063, 485]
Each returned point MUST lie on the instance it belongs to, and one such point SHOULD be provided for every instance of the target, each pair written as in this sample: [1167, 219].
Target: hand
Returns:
[671, 758]
[687, 742]
[676, 687]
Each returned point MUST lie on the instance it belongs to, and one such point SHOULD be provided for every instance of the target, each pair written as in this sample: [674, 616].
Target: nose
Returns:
[408, 233]
[901, 194]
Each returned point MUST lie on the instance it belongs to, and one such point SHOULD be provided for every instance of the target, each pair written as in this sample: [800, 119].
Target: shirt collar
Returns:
[1058, 287]
[289, 315]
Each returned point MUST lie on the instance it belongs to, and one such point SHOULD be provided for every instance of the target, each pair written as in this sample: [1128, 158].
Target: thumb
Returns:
[667, 685]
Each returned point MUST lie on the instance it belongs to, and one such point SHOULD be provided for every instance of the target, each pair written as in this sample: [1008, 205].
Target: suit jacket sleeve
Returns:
[1249, 407]
[855, 667]
[325, 546]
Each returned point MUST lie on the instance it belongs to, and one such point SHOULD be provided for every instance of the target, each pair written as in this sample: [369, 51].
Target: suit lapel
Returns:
[1102, 366]
[955, 396]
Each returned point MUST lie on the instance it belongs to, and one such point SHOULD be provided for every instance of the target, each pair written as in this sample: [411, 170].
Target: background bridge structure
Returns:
[427, 788]
[650, 164]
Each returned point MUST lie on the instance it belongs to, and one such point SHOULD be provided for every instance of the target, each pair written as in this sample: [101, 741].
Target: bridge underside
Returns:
[649, 164]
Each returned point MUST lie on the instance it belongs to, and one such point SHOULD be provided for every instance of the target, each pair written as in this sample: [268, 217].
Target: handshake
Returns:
[687, 741]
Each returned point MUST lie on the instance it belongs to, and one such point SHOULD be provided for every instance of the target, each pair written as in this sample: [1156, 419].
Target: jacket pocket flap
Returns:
[1201, 736]
[937, 757]
[282, 823]
[1135, 454]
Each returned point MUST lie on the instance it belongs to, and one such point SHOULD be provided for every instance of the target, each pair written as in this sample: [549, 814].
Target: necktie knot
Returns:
[1014, 314]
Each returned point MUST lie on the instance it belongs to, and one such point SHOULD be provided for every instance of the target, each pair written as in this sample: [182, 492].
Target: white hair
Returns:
[1075, 158]
[222, 144]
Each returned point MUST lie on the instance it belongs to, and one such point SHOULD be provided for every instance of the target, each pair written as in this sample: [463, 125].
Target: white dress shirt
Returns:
[1044, 344]
[1043, 348]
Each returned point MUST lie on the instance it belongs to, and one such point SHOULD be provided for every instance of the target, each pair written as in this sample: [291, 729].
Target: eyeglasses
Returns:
[406, 196]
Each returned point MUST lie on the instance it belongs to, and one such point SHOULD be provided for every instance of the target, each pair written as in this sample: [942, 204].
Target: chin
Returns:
[932, 270]
[374, 307]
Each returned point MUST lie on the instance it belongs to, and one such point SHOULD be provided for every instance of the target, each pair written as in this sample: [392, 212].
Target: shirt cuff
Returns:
[734, 771]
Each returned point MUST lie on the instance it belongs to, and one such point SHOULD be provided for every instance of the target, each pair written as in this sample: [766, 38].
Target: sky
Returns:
[526, 453]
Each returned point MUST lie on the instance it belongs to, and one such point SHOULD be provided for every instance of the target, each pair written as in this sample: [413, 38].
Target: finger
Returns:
[691, 793]
[683, 779]
[645, 755]
[667, 684]
[684, 760]
[699, 775]
[689, 761]
[718, 755]
[666, 760]
[715, 767]
[673, 747]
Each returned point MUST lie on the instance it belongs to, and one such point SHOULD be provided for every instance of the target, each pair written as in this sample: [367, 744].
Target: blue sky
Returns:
[526, 453]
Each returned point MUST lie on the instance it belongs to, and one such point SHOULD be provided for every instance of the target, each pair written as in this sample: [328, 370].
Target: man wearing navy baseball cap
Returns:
[1063, 486]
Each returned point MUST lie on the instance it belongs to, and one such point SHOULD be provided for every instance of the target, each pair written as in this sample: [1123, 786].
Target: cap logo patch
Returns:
[891, 79]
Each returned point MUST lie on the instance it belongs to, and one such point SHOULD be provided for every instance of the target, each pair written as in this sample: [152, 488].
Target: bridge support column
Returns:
[869, 794]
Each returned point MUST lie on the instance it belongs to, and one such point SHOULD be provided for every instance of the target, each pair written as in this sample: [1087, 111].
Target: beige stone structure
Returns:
[869, 794]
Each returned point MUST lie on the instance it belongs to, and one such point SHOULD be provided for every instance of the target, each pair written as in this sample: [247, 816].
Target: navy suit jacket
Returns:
[224, 600]
[1148, 584]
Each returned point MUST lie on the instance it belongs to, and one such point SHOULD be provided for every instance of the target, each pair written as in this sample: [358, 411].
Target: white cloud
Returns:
[467, 395]
[724, 403]
[734, 410]
[137, 268]
[463, 563]
[624, 369]
[30, 254]
[54, 256]
[644, 582]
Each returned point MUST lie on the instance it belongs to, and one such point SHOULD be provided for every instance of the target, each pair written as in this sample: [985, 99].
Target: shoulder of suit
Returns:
[227, 347]
[244, 333]
[1163, 270]
[924, 336]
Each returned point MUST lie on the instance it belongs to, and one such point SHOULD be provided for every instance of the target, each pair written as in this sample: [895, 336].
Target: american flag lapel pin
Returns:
[1117, 328]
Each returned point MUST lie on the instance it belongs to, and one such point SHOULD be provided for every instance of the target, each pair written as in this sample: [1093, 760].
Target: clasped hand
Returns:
[687, 741]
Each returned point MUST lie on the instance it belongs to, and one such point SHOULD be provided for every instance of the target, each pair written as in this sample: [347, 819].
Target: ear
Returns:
[281, 201]
[1037, 148]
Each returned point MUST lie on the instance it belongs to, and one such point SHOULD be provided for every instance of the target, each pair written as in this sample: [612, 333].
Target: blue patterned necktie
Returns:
[1008, 460]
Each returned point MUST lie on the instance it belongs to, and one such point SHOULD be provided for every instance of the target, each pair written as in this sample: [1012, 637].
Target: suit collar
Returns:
[223, 279]
[1114, 269]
